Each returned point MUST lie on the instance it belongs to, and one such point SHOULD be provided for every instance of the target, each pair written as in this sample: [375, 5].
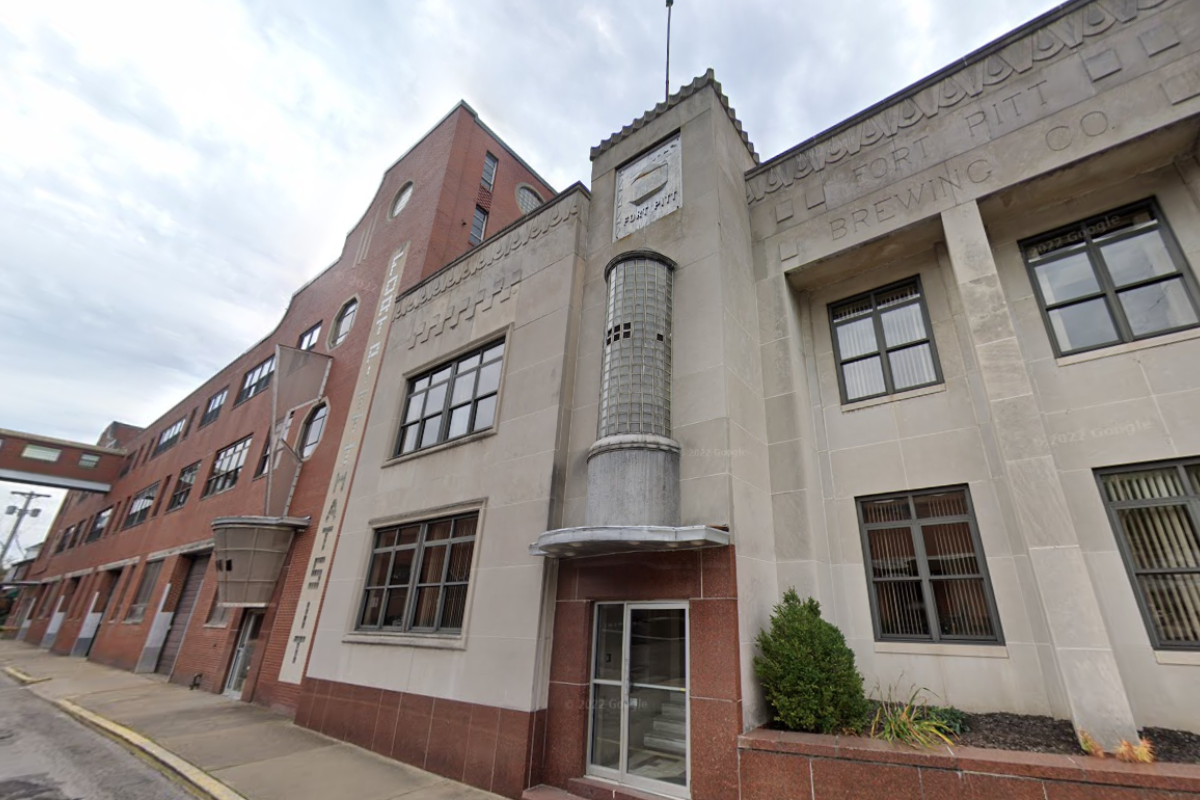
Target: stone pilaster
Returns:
[1082, 649]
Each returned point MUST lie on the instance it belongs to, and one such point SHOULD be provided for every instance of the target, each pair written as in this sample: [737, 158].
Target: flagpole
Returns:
[667, 93]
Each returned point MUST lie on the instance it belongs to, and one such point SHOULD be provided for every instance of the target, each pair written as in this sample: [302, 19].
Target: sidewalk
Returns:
[255, 753]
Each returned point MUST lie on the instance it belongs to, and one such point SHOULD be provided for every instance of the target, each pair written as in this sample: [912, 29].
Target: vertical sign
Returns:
[330, 523]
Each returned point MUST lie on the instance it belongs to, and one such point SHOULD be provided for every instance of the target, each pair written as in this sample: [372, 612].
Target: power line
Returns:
[20, 516]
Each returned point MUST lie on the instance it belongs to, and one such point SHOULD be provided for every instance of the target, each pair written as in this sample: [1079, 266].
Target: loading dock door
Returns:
[183, 615]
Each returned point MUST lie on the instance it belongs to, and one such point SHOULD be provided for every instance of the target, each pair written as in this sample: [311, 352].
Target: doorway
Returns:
[639, 726]
[243, 654]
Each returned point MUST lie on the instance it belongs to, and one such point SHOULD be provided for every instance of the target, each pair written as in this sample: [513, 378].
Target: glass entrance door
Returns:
[243, 654]
[639, 720]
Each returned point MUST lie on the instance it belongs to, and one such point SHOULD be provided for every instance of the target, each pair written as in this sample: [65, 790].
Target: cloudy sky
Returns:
[171, 172]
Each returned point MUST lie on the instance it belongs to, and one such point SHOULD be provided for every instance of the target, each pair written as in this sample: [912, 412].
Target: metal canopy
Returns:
[609, 540]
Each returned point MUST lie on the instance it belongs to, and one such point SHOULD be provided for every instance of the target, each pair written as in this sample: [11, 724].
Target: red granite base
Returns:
[801, 766]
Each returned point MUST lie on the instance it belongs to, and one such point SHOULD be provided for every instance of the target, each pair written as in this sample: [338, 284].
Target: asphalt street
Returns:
[46, 755]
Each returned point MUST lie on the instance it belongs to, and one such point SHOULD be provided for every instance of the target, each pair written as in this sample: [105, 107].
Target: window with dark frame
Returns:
[137, 608]
[344, 322]
[314, 427]
[478, 226]
[99, 524]
[488, 181]
[883, 342]
[308, 340]
[1155, 511]
[123, 578]
[139, 507]
[213, 409]
[1114, 278]
[257, 380]
[170, 437]
[227, 466]
[452, 400]
[926, 569]
[418, 576]
[63, 538]
[183, 486]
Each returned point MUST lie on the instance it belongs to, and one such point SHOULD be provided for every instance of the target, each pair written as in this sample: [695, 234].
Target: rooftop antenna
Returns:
[667, 94]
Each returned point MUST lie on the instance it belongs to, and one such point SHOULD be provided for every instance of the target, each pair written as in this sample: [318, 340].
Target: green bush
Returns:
[807, 671]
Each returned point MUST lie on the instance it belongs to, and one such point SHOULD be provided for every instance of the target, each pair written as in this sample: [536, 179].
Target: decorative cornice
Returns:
[707, 79]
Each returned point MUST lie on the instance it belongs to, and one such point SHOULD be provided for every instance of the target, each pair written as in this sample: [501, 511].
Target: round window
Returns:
[401, 199]
[527, 199]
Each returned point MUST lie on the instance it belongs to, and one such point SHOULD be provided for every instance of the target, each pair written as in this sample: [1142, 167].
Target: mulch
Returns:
[1036, 734]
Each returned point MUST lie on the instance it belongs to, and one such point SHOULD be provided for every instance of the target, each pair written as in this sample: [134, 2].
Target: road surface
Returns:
[46, 755]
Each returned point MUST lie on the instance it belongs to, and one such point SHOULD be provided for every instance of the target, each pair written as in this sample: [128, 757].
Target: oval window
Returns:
[527, 199]
[401, 199]
[343, 323]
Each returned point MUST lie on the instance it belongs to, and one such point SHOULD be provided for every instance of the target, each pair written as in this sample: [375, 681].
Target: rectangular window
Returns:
[36, 452]
[256, 380]
[137, 609]
[99, 524]
[478, 226]
[1155, 510]
[452, 400]
[63, 538]
[213, 409]
[309, 339]
[170, 437]
[227, 466]
[1118, 277]
[183, 486]
[139, 507]
[418, 575]
[883, 343]
[89, 460]
[926, 569]
[490, 162]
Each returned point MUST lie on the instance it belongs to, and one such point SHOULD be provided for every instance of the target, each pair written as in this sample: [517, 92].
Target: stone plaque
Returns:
[648, 189]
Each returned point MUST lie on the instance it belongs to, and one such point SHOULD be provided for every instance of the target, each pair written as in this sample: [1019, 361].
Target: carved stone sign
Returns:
[648, 189]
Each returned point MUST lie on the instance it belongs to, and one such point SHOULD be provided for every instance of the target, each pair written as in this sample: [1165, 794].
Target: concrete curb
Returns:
[23, 678]
[195, 778]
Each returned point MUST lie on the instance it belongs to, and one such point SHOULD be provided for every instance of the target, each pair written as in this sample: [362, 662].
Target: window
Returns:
[478, 226]
[227, 465]
[39, 453]
[882, 342]
[170, 436]
[1155, 510]
[89, 460]
[343, 323]
[213, 409]
[256, 380]
[527, 199]
[401, 200]
[926, 569]
[137, 609]
[417, 579]
[139, 508]
[452, 400]
[63, 539]
[183, 486]
[99, 524]
[1115, 278]
[313, 429]
[488, 181]
[309, 339]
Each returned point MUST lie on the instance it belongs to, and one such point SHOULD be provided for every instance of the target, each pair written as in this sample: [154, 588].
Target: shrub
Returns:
[807, 671]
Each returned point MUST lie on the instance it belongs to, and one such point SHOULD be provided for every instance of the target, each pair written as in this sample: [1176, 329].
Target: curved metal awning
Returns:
[609, 540]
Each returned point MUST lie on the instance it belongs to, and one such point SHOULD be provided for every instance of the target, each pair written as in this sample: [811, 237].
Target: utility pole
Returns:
[20, 514]
[667, 94]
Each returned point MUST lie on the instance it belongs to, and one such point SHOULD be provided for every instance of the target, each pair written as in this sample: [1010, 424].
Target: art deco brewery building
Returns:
[938, 367]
